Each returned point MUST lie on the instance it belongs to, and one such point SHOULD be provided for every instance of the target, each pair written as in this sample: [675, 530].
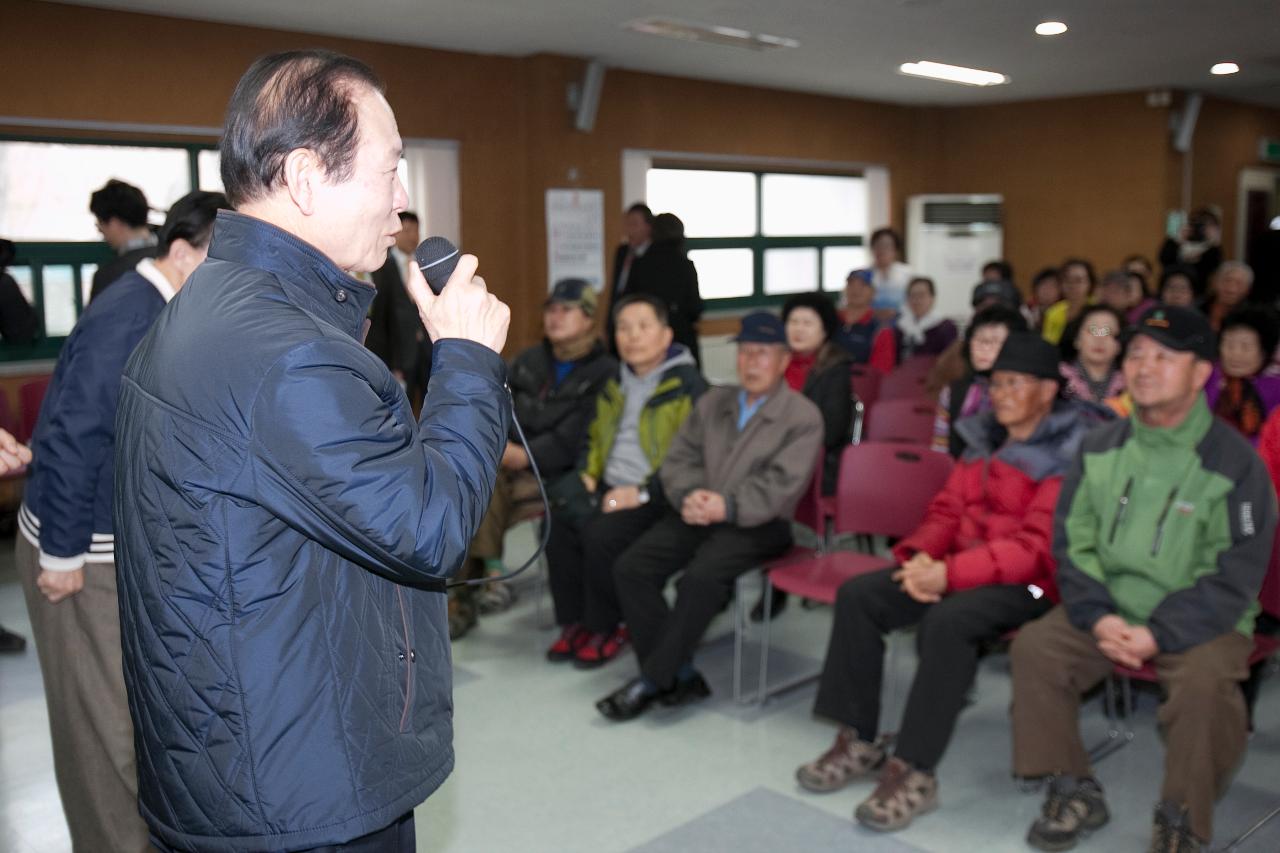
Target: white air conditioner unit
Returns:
[949, 238]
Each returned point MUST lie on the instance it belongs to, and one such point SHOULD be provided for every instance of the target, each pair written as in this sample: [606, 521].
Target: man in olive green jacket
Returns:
[1162, 535]
[732, 478]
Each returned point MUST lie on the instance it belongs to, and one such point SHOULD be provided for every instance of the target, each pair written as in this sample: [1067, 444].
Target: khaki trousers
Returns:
[1202, 716]
[78, 642]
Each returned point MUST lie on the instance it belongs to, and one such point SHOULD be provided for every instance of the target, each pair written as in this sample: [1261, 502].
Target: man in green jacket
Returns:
[1162, 535]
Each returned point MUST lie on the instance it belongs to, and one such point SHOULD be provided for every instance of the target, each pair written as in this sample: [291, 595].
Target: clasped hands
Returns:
[923, 578]
[1128, 645]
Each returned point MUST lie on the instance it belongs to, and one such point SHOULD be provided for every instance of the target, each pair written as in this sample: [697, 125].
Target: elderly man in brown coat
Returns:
[733, 476]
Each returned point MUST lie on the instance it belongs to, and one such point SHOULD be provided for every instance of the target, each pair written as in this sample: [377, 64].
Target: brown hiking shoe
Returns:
[1172, 832]
[846, 760]
[902, 795]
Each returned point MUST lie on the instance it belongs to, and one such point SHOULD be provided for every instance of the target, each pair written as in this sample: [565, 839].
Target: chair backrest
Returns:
[903, 384]
[917, 365]
[1269, 596]
[30, 396]
[809, 510]
[885, 488]
[909, 421]
[865, 383]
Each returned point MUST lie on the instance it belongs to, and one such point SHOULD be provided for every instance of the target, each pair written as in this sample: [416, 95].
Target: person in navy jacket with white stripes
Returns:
[66, 551]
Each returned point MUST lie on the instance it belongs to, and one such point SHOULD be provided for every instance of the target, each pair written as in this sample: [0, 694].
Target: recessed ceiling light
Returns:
[953, 73]
[709, 34]
[1051, 28]
[1224, 68]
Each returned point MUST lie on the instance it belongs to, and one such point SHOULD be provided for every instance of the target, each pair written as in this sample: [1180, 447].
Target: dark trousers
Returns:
[711, 558]
[949, 639]
[399, 837]
[580, 561]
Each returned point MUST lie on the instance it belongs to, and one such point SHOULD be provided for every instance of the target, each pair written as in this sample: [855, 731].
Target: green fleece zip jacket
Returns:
[1168, 528]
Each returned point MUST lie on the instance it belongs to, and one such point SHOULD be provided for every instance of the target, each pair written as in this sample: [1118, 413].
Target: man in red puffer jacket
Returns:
[979, 565]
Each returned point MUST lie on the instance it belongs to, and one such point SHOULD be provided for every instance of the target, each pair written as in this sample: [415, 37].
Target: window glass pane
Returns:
[839, 261]
[813, 205]
[790, 270]
[22, 275]
[710, 203]
[724, 273]
[59, 300]
[208, 164]
[45, 187]
[86, 281]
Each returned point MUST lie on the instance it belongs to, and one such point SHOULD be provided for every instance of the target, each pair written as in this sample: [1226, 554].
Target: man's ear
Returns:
[302, 171]
[1201, 372]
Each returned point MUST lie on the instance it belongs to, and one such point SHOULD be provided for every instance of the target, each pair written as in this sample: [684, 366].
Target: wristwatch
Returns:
[642, 496]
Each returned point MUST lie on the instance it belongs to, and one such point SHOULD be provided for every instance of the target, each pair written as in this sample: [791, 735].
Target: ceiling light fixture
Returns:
[1051, 28]
[709, 34]
[953, 73]
[1224, 68]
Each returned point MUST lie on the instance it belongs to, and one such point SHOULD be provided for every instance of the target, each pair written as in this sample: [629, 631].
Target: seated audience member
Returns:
[1078, 281]
[889, 274]
[618, 492]
[1229, 289]
[1162, 536]
[1197, 244]
[1094, 376]
[952, 364]
[733, 477]
[553, 388]
[820, 370]
[1117, 291]
[997, 271]
[1140, 265]
[19, 323]
[1237, 391]
[1046, 291]
[120, 214]
[970, 395]
[65, 552]
[1140, 296]
[866, 338]
[978, 567]
[1178, 286]
[921, 330]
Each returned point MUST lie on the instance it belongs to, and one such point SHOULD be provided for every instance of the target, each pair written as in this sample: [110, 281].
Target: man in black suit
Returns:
[120, 213]
[396, 334]
[628, 261]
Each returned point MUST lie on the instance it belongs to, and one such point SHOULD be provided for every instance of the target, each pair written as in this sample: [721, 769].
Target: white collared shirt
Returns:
[147, 269]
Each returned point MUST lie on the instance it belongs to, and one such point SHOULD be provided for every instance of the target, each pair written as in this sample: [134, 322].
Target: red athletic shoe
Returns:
[572, 638]
[602, 648]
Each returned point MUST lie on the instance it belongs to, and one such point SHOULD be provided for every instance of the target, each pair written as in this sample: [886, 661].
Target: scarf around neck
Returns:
[913, 330]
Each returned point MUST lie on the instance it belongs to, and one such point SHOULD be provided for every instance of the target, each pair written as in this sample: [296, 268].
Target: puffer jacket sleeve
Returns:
[1023, 557]
[937, 533]
[330, 457]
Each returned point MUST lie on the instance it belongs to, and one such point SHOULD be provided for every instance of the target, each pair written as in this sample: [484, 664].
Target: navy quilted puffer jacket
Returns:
[283, 526]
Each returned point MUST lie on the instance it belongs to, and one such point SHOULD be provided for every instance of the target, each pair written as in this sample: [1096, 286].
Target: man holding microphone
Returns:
[283, 524]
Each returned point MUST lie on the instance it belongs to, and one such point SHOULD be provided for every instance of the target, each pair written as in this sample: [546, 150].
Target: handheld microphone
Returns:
[437, 258]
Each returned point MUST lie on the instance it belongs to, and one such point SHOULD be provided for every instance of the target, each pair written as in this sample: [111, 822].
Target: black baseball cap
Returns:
[574, 291]
[1027, 352]
[1003, 291]
[761, 327]
[1180, 329]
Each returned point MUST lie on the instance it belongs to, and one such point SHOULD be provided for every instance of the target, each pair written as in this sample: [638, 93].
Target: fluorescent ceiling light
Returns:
[709, 34]
[953, 73]
[1051, 28]
[1224, 68]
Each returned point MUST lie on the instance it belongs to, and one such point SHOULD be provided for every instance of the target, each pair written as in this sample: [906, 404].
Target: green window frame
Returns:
[36, 256]
[758, 243]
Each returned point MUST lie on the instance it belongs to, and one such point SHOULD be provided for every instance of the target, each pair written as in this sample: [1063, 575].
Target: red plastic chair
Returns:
[883, 490]
[30, 396]
[865, 381]
[904, 383]
[909, 421]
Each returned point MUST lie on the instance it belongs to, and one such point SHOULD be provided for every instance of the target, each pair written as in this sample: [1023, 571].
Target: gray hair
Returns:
[1228, 266]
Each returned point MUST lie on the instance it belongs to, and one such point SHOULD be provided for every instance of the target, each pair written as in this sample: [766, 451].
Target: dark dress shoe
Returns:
[689, 690]
[628, 701]
[10, 642]
[779, 605]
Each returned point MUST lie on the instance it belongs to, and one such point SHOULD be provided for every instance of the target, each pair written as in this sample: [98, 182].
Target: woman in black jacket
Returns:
[819, 369]
[668, 274]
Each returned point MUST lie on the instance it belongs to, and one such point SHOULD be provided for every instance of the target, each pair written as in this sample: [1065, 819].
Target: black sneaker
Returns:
[1172, 834]
[12, 643]
[1073, 809]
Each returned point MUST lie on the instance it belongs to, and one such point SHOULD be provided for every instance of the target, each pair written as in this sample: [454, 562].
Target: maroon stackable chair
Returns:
[30, 396]
[909, 421]
[883, 490]
[907, 380]
[865, 381]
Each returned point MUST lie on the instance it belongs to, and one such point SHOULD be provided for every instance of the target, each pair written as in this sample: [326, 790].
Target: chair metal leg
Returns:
[762, 691]
[739, 629]
[1119, 719]
[1234, 845]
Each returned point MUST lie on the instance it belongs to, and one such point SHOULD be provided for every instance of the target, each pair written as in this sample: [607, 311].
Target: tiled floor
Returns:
[540, 770]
